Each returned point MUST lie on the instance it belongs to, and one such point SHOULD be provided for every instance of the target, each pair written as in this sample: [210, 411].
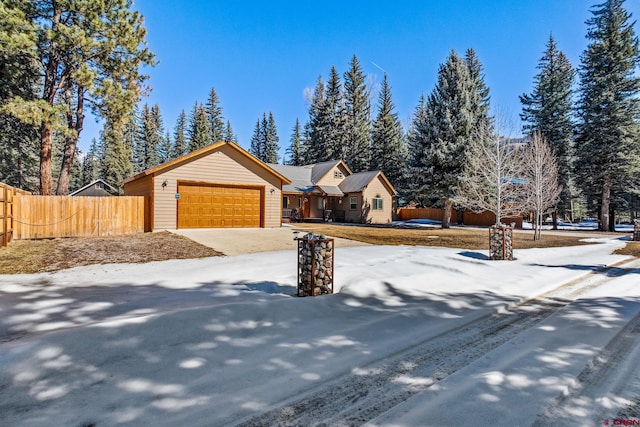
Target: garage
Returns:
[219, 206]
[219, 186]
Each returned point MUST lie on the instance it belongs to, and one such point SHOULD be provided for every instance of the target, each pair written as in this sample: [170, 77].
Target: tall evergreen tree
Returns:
[257, 140]
[316, 128]
[295, 150]
[548, 110]
[87, 52]
[480, 99]
[91, 164]
[180, 143]
[118, 156]
[150, 136]
[271, 147]
[165, 149]
[214, 114]
[607, 144]
[335, 116]
[229, 136]
[388, 151]
[199, 134]
[443, 136]
[358, 122]
[18, 78]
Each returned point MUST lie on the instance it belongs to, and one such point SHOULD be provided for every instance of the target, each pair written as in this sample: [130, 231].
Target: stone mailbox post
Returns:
[315, 265]
[501, 242]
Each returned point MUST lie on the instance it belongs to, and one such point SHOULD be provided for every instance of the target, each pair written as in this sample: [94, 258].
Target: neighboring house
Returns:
[221, 185]
[97, 188]
[330, 191]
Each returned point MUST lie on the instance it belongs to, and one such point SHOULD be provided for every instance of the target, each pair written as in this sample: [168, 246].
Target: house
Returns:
[221, 185]
[330, 191]
[97, 188]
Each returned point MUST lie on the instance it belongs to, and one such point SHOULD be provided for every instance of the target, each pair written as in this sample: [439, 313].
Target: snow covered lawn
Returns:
[219, 341]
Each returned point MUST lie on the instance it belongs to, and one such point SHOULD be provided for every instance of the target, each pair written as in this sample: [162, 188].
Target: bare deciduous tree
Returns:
[540, 174]
[491, 177]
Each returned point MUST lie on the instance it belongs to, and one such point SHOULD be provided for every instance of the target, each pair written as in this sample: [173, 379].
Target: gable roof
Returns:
[299, 178]
[98, 191]
[320, 170]
[201, 153]
[357, 182]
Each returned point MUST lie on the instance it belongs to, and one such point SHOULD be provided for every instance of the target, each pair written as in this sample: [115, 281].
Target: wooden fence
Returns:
[468, 218]
[42, 217]
[7, 212]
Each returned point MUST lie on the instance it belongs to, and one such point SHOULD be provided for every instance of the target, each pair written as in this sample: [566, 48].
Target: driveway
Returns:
[238, 241]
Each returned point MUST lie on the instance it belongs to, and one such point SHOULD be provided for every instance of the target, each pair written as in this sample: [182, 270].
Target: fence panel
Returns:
[469, 218]
[43, 217]
[7, 212]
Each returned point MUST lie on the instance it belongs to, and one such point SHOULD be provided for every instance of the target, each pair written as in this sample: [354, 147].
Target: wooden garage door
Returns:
[209, 206]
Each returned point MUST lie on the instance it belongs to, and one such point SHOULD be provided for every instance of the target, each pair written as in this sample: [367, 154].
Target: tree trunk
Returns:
[70, 144]
[604, 207]
[45, 158]
[446, 217]
[536, 226]
[554, 215]
[612, 218]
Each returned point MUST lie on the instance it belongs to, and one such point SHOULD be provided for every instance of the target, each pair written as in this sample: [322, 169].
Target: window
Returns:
[320, 203]
[353, 203]
[377, 203]
[285, 202]
[300, 202]
[337, 174]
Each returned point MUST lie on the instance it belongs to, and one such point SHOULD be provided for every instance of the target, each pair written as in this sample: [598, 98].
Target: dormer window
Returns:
[337, 174]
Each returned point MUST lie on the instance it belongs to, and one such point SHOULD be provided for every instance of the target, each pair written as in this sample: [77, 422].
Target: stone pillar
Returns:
[501, 242]
[315, 265]
[636, 230]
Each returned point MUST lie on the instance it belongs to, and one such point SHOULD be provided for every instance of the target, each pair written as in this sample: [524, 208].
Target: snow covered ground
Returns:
[412, 336]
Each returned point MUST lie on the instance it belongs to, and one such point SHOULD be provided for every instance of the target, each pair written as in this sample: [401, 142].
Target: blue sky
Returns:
[262, 56]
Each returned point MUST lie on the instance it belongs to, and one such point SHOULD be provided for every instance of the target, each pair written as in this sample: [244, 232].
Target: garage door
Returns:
[209, 206]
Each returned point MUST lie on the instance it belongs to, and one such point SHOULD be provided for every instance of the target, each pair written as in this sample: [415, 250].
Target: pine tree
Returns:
[607, 144]
[442, 138]
[257, 140]
[229, 136]
[271, 147]
[214, 114]
[199, 134]
[91, 164]
[548, 110]
[480, 99]
[335, 115]
[150, 136]
[86, 52]
[295, 150]
[358, 122]
[180, 144]
[388, 151]
[165, 149]
[316, 128]
[118, 156]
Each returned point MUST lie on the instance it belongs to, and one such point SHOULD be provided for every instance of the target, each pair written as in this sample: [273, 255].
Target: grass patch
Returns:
[461, 238]
[36, 256]
[631, 248]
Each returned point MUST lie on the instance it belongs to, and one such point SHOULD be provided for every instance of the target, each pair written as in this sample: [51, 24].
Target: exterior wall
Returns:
[353, 215]
[143, 187]
[224, 166]
[330, 179]
[383, 216]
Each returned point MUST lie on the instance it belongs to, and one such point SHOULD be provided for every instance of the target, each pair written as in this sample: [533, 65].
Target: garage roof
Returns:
[201, 153]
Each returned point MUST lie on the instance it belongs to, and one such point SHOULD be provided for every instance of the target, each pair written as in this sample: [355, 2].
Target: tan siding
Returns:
[219, 167]
[143, 187]
[350, 214]
[378, 216]
[329, 178]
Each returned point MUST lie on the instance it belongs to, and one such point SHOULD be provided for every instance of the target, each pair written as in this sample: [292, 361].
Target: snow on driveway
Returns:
[222, 340]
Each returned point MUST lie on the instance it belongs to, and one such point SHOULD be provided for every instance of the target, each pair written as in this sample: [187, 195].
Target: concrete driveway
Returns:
[238, 241]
